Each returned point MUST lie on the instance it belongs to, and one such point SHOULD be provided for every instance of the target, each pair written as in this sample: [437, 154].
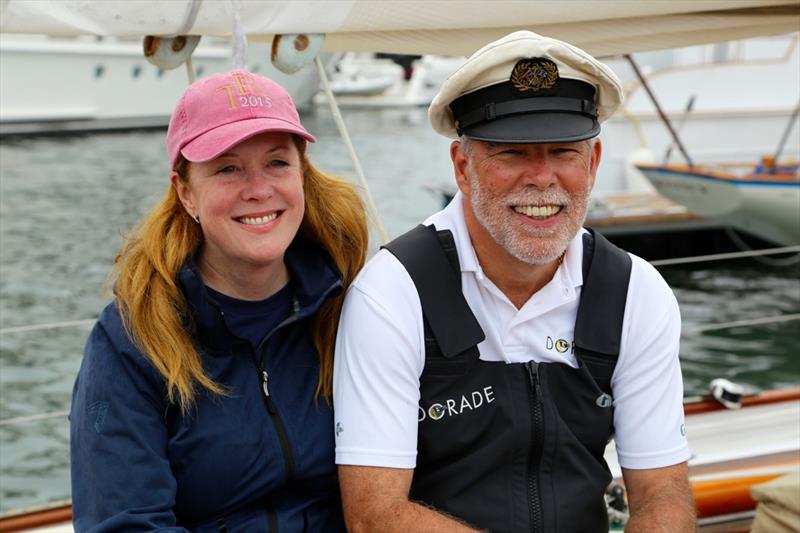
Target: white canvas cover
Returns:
[443, 27]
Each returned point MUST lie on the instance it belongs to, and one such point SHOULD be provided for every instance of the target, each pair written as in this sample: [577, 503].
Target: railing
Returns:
[661, 262]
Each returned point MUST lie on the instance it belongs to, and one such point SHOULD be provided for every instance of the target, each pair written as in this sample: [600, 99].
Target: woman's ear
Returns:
[184, 193]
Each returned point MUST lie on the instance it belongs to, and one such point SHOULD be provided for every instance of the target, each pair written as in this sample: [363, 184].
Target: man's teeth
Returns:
[537, 211]
[258, 220]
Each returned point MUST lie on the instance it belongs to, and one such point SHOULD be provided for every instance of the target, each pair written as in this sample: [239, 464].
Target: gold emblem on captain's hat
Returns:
[534, 75]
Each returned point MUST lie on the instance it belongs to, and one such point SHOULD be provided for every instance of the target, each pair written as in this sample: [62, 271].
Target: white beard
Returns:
[530, 245]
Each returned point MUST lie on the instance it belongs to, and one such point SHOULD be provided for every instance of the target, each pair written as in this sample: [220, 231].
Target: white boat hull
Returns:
[82, 84]
[768, 209]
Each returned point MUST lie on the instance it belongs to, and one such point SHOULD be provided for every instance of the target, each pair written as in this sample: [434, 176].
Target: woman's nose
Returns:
[258, 184]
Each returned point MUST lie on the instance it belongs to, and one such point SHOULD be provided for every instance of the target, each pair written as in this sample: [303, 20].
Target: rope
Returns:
[337, 117]
[740, 323]
[742, 245]
[732, 255]
[239, 38]
[50, 325]
[189, 17]
[189, 70]
[32, 418]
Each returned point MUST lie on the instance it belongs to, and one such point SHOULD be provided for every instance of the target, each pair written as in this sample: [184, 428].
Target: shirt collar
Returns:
[314, 277]
[452, 218]
[572, 267]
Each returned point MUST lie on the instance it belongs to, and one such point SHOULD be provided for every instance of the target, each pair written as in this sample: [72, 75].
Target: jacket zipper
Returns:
[272, 521]
[272, 409]
[280, 429]
[537, 429]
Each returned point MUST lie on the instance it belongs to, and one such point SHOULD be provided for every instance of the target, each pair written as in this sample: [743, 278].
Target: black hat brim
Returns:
[532, 128]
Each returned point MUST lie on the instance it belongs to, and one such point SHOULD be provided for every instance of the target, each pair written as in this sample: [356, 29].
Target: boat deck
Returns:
[653, 227]
[629, 211]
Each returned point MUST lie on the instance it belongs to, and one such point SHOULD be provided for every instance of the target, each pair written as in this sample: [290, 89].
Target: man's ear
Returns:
[460, 161]
[184, 193]
[597, 151]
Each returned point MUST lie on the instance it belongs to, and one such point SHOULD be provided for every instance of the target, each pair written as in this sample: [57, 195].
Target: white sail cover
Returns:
[444, 27]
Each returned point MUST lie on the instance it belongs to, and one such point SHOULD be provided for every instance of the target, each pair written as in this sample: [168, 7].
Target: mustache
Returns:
[534, 196]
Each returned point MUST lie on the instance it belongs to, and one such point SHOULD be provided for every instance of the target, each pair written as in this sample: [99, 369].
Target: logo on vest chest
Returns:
[559, 345]
[458, 405]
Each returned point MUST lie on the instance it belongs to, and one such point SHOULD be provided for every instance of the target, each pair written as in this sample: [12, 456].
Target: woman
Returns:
[197, 406]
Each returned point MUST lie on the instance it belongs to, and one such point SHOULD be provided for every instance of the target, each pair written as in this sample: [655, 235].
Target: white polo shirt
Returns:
[380, 353]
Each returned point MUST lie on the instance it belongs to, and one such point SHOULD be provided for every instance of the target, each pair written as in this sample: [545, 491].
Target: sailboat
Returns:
[759, 199]
[763, 199]
[414, 27]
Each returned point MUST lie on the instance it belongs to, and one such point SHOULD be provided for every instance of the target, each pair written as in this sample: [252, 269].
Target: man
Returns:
[495, 416]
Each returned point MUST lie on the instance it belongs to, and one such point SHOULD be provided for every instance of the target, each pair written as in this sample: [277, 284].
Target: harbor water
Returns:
[66, 202]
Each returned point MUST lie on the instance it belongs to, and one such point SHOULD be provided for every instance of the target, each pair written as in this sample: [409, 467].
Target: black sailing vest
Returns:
[512, 447]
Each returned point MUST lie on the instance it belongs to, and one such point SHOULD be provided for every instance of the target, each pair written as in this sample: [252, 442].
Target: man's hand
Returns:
[376, 499]
[660, 500]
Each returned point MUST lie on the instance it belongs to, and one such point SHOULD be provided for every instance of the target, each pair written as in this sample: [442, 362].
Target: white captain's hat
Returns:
[526, 88]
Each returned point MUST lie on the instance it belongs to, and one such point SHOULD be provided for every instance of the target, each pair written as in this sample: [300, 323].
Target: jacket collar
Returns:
[311, 269]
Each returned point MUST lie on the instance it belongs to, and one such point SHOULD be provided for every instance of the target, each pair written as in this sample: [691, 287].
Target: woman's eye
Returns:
[278, 163]
[227, 169]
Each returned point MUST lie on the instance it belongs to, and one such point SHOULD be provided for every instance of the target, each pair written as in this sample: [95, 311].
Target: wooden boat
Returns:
[762, 199]
[732, 450]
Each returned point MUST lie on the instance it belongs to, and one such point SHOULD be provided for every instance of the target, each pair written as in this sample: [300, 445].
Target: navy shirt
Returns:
[251, 320]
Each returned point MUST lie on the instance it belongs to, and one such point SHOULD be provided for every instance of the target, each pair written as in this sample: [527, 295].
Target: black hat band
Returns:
[492, 111]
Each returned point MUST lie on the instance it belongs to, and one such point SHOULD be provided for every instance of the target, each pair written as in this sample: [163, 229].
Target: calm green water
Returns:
[66, 202]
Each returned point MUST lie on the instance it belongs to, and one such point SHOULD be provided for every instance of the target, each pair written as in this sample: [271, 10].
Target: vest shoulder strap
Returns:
[598, 325]
[431, 259]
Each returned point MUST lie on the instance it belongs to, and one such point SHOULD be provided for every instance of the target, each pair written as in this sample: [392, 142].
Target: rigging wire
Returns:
[33, 418]
[731, 255]
[742, 245]
[689, 329]
[660, 262]
[741, 323]
[337, 117]
[49, 325]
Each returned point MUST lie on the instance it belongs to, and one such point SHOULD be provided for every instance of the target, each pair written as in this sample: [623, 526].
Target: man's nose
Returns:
[538, 170]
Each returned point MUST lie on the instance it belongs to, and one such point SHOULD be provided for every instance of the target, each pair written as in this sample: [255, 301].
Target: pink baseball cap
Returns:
[220, 111]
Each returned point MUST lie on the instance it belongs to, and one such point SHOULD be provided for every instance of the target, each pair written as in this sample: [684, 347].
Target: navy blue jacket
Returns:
[238, 462]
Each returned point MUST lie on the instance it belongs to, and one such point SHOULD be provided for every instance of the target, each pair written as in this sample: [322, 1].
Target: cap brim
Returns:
[536, 128]
[216, 142]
